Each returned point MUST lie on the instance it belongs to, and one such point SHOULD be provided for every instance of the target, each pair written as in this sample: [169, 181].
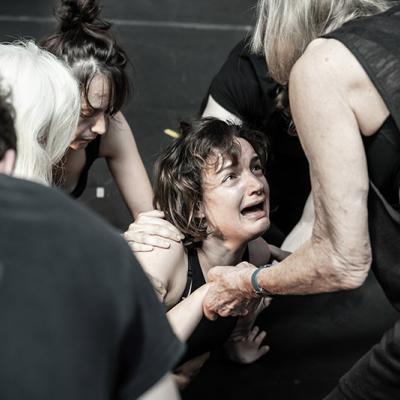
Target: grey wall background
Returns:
[176, 46]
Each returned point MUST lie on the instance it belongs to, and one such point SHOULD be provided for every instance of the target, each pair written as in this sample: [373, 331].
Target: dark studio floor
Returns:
[176, 46]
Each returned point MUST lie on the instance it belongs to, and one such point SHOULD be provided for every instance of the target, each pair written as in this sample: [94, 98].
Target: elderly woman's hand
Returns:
[231, 291]
[151, 230]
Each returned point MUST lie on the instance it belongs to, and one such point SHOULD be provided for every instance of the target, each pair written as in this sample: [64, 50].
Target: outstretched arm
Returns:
[338, 255]
[119, 148]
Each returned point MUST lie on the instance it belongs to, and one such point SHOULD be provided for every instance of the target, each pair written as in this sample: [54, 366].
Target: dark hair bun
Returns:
[75, 14]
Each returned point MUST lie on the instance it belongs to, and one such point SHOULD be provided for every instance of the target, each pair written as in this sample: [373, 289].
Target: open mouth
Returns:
[253, 209]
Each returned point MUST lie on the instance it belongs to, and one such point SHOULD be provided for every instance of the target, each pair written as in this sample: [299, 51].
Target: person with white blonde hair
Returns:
[46, 100]
[341, 62]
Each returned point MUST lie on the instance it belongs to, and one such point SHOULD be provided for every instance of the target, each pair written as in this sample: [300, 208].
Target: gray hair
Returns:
[46, 99]
[284, 28]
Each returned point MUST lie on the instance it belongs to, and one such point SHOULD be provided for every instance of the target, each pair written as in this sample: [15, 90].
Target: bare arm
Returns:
[338, 255]
[119, 148]
[165, 389]
[303, 229]
[167, 270]
[186, 315]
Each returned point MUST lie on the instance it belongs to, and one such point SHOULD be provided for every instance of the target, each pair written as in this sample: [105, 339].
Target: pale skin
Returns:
[244, 185]
[117, 146]
[7, 162]
[150, 230]
[338, 255]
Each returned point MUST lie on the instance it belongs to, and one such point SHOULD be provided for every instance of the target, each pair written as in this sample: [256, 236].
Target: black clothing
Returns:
[208, 335]
[91, 153]
[244, 88]
[78, 318]
[374, 42]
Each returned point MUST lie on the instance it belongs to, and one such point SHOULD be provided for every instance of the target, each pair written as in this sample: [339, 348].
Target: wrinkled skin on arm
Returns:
[332, 107]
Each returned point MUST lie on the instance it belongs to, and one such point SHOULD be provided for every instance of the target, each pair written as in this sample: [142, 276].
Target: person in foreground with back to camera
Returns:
[84, 41]
[341, 58]
[71, 326]
[210, 184]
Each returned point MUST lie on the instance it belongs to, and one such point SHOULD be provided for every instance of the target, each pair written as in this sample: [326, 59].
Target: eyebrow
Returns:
[224, 167]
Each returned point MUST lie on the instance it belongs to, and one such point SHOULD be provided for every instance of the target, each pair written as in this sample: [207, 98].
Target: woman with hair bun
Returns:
[85, 42]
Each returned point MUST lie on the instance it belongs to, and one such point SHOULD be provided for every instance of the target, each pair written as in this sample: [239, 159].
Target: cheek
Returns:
[82, 127]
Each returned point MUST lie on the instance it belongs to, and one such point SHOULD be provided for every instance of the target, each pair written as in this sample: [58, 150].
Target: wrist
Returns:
[246, 286]
[258, 288]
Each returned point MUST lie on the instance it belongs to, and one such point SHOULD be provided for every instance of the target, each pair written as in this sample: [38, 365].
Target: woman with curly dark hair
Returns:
[85, 42]
[210, 184]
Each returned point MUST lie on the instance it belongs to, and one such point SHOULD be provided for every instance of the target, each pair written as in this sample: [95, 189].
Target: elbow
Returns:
[351, 272]
[344, 270]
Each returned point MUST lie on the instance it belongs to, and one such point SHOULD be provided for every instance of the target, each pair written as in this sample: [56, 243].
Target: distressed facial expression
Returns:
[93, 120]
[236, 195]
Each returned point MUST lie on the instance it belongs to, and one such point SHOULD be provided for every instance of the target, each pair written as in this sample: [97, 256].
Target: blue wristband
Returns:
[258, 290]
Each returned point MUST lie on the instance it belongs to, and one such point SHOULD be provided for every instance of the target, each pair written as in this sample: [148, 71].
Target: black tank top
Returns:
[374, 41]
[208, 335]
[91, 153]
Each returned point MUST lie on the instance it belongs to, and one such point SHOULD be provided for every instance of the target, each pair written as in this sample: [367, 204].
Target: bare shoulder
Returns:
[167, 268]
[329, 69]
[324, 59]
[259, 252]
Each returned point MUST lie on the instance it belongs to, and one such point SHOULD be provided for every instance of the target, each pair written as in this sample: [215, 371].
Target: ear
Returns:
[7, 163]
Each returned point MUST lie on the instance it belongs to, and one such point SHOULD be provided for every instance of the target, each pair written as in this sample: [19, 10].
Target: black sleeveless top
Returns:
[92, 153]
[208, 335]
[374, 41]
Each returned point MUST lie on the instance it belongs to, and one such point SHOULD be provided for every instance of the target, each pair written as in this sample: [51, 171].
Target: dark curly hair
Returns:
[178, 190]
[8, 137]
[85, 42]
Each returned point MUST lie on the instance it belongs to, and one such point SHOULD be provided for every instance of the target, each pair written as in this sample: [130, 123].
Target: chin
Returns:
[260, 227]
[78, 145]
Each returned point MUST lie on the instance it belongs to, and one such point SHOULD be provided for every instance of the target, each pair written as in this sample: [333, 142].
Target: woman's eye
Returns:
[257, 168]
[228, 177]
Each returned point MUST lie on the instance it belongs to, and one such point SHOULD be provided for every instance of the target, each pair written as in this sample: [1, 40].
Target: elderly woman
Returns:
[342, 63]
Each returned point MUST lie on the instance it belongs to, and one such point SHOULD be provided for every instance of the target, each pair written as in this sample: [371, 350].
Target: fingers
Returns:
[143, 231]
[139, 247]
[152, 213]
[214, 273]
[147, 239]
[209, 312]
[253, 333]
[152, 222]
[262, 350]
[259, 339]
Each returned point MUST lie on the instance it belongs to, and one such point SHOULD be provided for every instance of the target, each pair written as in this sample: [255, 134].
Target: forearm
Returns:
[185, 316]
[314, 268]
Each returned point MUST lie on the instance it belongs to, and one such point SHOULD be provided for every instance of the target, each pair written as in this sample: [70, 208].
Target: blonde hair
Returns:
[284, 28]
[46, 100]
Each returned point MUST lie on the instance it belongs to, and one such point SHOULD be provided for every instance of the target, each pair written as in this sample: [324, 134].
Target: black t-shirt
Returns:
[78, 317]
[244, 88]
